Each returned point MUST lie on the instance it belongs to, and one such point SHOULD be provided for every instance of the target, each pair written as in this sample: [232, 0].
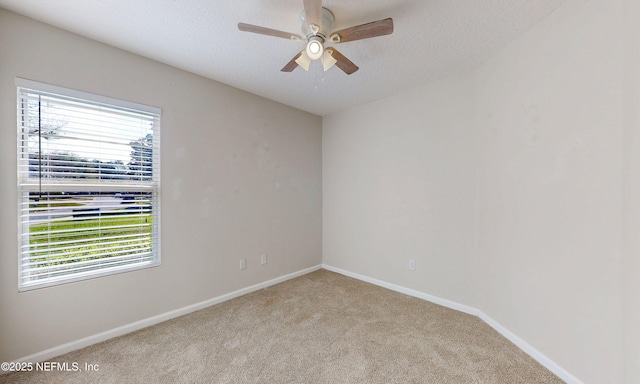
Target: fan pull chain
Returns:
[318, 78]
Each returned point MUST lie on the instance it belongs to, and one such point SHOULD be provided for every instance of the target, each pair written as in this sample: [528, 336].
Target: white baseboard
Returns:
[526, 347]
[406, 291]
[128, 328]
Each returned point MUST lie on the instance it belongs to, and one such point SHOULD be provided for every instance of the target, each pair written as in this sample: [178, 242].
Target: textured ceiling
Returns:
[432, 39]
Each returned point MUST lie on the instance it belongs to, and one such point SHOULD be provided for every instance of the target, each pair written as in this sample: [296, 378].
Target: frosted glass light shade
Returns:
[314, 48]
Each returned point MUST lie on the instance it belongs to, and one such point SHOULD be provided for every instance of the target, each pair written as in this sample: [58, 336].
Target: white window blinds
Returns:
[88, 180]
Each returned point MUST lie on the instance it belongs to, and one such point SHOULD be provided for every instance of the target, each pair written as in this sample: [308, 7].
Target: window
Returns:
[88, 184]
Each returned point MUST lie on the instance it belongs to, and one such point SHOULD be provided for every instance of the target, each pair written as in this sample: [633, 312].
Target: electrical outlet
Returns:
[412, 265]
[243, 264]
[263, 259]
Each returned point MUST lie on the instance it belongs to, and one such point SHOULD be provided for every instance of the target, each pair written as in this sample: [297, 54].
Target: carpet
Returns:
[318, 328]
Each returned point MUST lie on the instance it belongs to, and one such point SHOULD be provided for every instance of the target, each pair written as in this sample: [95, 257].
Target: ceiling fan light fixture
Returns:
[327, 60]
[314, 48]
[303, 61]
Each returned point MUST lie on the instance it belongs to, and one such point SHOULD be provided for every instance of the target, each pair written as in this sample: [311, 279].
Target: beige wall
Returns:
[399, 183]
[241, 175]
[631, 191]
[551, 185]
[513, 186]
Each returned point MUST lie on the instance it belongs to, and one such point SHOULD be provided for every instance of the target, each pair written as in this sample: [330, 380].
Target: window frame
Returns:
[25, 183]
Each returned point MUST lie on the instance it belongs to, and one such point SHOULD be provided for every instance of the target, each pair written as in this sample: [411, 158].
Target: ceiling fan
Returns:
[317, 28]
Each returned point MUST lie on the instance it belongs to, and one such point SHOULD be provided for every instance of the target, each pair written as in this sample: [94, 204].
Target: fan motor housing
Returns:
[327, 24]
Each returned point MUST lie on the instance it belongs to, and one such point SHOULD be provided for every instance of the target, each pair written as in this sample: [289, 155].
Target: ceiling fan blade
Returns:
[313, 12]
[267, 31]
[342, 62]
[363, 31]
[292, 64]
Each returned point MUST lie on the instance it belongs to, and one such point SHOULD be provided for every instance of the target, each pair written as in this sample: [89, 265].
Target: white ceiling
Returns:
[432, 39]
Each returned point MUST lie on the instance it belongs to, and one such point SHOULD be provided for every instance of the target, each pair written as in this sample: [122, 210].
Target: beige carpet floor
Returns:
[319, 328]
